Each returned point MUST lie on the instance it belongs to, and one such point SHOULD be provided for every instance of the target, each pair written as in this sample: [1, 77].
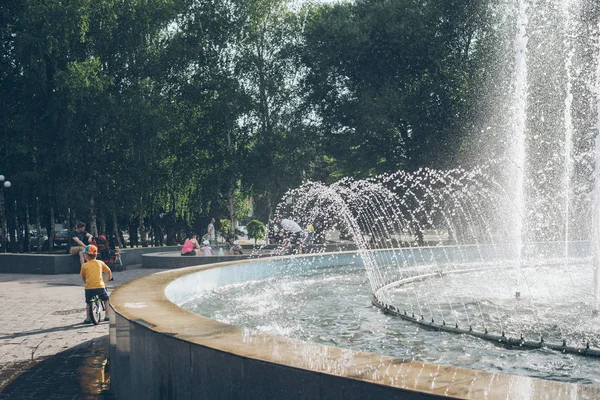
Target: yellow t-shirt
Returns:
[91, 272]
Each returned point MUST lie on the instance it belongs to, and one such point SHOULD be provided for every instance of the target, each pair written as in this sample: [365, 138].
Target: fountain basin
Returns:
[158, 349]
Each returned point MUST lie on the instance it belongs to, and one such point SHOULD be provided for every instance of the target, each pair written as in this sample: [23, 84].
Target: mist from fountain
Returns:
[518, 152]
[523, 217]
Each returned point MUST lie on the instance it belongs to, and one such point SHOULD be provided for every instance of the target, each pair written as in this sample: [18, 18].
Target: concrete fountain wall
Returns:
[161, 351]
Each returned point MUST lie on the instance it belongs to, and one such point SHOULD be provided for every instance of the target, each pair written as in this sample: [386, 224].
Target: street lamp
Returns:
[5, 184]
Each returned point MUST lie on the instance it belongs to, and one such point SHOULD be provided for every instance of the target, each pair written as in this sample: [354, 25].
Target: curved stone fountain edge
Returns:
[159, 350]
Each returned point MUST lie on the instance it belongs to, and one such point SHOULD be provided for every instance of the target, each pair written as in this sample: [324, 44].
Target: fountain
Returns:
[520, 222]
[508, 250]
[466, 282]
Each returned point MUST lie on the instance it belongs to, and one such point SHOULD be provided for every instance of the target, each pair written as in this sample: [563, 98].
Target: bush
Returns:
[256, 230]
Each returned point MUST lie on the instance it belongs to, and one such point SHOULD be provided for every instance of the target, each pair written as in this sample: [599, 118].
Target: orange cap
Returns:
[90, 249]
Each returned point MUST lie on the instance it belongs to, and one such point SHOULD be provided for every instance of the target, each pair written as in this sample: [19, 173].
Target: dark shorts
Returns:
[190, 253]
[100, 292]
[295, 237]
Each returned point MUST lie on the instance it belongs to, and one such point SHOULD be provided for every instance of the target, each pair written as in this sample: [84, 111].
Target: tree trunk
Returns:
[170, 227]
[116, 230]
[27, 241]
[143, 237]
[18, 236]
[93, 224]
[133, 234]
[230, 194]
[269, 220]
[4, 222]
[102, 228]
[51, 232]
[38, 218]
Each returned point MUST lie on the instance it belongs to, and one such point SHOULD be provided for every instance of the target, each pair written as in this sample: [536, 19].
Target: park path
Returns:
[46, 352]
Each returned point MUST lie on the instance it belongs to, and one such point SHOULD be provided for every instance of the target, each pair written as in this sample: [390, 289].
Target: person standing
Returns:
[210, 232]
[309, 237]
[78, 240]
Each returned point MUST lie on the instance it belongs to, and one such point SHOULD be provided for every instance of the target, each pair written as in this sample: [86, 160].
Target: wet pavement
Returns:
[81, 372]
[46, 352]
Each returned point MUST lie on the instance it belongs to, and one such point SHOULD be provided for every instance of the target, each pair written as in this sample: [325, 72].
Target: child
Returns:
[91, 273]
[206, 249]
[236, 248]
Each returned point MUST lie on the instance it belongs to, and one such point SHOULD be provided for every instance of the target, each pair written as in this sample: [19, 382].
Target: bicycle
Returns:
[97, 310]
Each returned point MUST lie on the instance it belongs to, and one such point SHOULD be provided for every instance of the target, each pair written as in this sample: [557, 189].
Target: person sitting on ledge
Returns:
[236, 248]
[190, 246]
[78, 240]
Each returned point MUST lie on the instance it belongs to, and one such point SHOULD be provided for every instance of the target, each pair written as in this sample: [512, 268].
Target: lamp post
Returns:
[4, 184]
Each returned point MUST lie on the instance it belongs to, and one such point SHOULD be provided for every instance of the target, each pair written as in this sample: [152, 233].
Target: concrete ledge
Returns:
[47, 264]
[176, 260]
[51, 264]
[159, 350]
[131, 256]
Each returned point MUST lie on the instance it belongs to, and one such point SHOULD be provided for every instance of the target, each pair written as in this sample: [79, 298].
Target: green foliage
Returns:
[188, 108]
[256, 230]
[242, 209]
[225, 228]
[388, 80]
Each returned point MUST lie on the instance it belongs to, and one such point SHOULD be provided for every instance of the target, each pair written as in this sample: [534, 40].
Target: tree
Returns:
[256, 230]
[268, 68]
[388, 81]
[119, 112]
[225, 229]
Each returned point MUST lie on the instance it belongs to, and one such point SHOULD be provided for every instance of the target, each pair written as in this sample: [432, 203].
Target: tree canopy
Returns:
[117, 113]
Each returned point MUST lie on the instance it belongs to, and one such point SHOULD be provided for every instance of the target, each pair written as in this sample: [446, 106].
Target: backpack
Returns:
[102, 245]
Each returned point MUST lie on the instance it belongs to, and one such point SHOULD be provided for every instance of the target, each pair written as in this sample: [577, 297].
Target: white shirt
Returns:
[290, 225]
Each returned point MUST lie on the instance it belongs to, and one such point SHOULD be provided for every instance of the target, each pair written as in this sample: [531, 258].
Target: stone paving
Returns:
[46, 352]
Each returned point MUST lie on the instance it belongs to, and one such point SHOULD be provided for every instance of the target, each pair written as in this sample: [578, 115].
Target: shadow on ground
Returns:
[80, 372]
[40, 331]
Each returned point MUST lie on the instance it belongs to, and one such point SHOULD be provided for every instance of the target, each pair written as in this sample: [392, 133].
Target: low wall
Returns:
[50, 264]
[47, 264]
[159, 350]
[132, 256]
[176, 260]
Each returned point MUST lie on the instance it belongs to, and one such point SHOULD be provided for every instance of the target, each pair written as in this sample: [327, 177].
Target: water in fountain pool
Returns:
[332, 306]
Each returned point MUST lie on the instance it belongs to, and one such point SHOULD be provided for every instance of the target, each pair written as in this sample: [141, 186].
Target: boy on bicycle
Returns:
[91, 273]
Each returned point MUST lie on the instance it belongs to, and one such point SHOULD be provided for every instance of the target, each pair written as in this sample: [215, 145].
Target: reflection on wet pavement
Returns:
[81, 372]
